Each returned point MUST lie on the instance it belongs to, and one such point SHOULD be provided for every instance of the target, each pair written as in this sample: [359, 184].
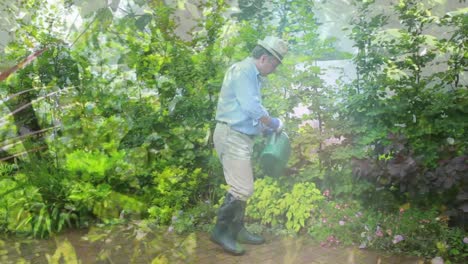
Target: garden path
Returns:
[287, 250]
[136, 246]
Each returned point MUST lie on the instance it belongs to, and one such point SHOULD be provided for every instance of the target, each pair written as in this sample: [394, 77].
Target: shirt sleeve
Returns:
[247, 91]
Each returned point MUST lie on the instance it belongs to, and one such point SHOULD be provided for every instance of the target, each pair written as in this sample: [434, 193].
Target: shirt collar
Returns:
[252, 62]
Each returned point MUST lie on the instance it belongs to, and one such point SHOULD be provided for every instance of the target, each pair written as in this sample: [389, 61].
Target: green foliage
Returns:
[7, 190]
[424, 233]
[133, 120]
[420, 232]
[84, 195]
[339, 220]
[117, 205]
[95, 167]
[299, 204]
[198, 217]
[23, 210]
[6, 170]
[277, 205]
[38, 202]
[173, 189]
[263, 205]
[402, 115]
[128, 109]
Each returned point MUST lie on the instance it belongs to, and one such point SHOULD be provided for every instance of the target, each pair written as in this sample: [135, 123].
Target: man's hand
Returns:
[276, 124]
[267, 131]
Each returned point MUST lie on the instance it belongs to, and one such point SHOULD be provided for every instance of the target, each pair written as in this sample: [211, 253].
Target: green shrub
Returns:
[174, 189]
[341, 220]
[198, 217]
[299, 204]
[407, 230]
[276, 205]
[416, 231]
[263, 205]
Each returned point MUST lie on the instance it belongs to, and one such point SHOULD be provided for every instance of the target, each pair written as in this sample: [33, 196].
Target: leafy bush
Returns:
[275, 205]
[263, 205]
[342, 221]
[299, 204]
[98, 167]
[173, 189]
[24, 210]
[420, 232]
[128, 130]
[402, 114]
[198, 217]
[406, 230]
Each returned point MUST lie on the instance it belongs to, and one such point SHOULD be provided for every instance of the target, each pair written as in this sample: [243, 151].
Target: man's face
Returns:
[268, 64]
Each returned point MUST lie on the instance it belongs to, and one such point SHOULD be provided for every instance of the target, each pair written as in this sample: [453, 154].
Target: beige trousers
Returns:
[235, 151]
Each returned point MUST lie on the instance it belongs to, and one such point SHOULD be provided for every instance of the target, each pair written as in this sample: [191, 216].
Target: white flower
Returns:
[423, 52]
[450, 140]
[437, 260]
[397, 239]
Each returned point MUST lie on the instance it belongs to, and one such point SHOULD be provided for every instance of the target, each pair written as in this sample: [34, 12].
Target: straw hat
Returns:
[276, 46]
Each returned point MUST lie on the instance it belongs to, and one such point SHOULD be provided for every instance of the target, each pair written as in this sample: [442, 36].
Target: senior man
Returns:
[240, 117]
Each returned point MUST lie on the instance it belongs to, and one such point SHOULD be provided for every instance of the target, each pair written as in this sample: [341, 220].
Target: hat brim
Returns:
[269, 49]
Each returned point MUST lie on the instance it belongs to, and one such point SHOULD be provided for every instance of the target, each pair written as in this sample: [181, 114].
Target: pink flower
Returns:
[402, 210]
[311, 123]
[333, 141]
[324, 220]
[397, 239]
[326, 193]
[341, 222]
[379, 232]
[465, 240]
[330, 242]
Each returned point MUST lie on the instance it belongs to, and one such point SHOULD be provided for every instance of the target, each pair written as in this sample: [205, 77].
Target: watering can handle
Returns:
[273, 137]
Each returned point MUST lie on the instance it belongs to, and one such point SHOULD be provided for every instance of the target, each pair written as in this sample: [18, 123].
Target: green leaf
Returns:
[142, 21]
[458, 12]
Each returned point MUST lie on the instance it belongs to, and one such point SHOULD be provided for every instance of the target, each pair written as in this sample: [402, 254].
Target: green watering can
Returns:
[275, 155]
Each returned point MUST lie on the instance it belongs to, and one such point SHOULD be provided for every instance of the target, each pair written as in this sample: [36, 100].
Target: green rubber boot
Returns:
[243, 235]
[223, 233]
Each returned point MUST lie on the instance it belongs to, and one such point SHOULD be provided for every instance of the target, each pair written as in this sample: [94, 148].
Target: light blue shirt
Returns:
[240, 101]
